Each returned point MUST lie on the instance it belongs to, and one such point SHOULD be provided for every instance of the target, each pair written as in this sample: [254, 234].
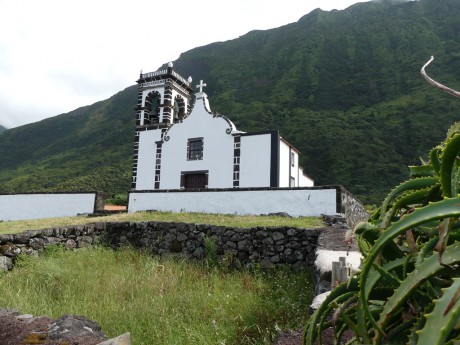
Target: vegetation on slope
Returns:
[159, 302]
[338, 85]
[87, 149]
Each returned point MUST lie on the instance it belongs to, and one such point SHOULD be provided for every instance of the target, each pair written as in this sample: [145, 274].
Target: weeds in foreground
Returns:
[159, 302]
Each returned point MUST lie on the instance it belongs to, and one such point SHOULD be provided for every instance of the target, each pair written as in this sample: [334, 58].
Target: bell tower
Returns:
[164, 98]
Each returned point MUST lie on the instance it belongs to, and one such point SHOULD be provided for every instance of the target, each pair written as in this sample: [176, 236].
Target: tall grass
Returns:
[159, 302]
[229, 220]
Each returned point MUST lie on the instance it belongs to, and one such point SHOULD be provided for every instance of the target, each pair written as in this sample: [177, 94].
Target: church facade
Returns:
[180, 146]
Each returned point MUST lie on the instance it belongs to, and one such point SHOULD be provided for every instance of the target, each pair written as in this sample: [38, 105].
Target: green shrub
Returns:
[118, 199]
[408, 288]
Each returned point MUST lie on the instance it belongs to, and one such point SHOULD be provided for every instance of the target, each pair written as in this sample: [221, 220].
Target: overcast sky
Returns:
[58, 55]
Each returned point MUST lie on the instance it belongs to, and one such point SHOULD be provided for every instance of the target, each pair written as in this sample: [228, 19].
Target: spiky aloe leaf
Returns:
[413, 336]
[344, 290]
[453, 130]
[434, 159]
[449, 207]
[411, 198]
[375, 275]
[426, 269]
[414, 184]
[443, 318]
[447, 172]
[421, 171]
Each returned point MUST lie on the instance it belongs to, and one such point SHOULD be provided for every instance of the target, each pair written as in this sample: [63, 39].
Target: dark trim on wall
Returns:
[248, 134]
[338, 200]
[72, 192]
[275, 159]
[244, 189]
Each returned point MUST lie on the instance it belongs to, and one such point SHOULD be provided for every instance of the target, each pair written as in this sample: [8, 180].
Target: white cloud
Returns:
[58, 55]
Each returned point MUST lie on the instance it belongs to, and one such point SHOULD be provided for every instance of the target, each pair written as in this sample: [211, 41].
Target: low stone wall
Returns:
[262, 246]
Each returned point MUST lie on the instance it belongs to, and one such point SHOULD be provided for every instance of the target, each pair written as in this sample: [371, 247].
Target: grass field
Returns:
[11, 227]
[159, 302]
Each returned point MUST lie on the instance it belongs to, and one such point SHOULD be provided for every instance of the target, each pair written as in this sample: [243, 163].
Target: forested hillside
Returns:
[2, 129]
[343, 86]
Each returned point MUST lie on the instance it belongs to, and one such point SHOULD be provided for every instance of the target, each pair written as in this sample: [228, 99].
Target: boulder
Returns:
[5, 263]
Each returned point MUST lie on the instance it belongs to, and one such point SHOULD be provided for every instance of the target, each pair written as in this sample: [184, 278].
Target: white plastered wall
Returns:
[217, 149]
[35, 206]
[304, 180]
[302, 202]
[284, 177]
[146, 159]
[255, 159]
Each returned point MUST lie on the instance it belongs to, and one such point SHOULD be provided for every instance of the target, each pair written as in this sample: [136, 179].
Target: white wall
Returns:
[34, 206]
[284, 165]
[255, 159]
[304, 180]
[217, 150]
[146, 162]
[301, 202]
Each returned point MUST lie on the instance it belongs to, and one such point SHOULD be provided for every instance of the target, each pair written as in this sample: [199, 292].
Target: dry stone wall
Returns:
[262, 246]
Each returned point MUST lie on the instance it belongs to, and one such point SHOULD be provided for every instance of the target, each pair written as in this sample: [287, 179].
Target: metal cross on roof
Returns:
[201, 85]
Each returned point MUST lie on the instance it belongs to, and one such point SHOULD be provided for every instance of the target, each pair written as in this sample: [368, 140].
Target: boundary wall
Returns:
[26, 206]
[296, 202]
[264, 246]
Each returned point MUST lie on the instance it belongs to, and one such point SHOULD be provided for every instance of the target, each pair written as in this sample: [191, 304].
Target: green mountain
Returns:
[2, 129]
[343, 86]
[87, 149]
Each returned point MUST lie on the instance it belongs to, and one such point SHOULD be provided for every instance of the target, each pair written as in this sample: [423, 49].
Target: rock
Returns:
[275, 258]
[319, 299]
[27, 318]
[244, 245]
[37, 243]
[198, 253]
[124, 339]
[181, 237]
[70, 244]
[6, 238]
[280, 214]
[70, 326]
[230, 245]
[265, 263]
[5, 263]
[292, 232]
[22, 237]
[277, 236]
[8, 312]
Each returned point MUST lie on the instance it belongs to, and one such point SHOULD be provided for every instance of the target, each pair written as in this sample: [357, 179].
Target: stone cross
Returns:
[201, 85]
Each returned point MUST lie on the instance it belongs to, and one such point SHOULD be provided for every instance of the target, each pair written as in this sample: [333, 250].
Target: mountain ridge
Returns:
[342, 86]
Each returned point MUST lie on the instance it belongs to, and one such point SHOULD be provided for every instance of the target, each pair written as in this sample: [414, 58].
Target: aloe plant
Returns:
[408, 288]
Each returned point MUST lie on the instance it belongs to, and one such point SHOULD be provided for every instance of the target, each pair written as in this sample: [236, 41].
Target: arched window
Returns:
[152, 108]
[178, 108]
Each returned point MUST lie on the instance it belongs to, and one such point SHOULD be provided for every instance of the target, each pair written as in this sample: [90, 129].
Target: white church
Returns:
[180, 146]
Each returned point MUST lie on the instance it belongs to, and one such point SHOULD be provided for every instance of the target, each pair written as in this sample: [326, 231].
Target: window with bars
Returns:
[195, 149]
